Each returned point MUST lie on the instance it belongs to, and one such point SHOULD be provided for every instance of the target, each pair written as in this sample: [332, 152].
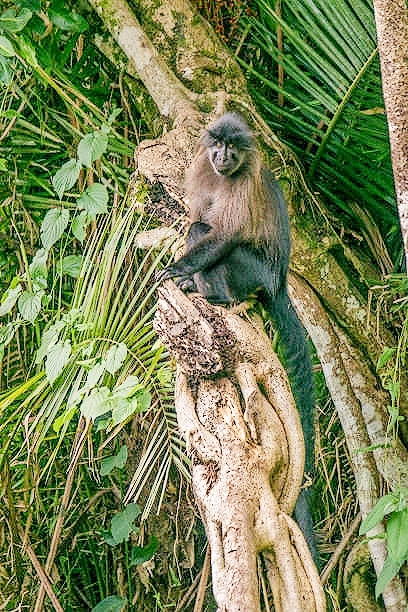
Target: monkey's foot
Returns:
[240, 308]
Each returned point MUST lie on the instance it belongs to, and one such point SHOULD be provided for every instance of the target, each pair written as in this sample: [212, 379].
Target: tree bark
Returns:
[391, 17]
[247, 454]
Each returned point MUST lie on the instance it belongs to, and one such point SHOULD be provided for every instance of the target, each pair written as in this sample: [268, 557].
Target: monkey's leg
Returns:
[205, 254]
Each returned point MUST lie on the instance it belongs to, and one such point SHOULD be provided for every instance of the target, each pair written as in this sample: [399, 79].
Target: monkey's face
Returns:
[226, 158]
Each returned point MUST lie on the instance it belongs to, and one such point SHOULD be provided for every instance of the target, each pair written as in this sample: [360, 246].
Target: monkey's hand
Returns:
[165, 274]
[183, 282]
[187, 285]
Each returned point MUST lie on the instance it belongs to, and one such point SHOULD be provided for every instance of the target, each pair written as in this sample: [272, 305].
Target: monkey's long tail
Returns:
[294, 350]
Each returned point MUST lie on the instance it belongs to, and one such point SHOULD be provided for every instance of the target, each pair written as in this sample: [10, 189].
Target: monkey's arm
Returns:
[204, 254]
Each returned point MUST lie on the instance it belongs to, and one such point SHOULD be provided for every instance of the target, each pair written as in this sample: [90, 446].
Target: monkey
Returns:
[238, 245]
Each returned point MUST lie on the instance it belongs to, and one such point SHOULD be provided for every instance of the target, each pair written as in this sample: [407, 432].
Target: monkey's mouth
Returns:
[226, 170]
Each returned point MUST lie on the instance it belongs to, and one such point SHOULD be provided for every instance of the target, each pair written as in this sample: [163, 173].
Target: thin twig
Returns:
[324, 576]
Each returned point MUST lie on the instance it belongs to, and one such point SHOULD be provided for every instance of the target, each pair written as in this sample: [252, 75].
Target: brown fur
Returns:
[231, 205]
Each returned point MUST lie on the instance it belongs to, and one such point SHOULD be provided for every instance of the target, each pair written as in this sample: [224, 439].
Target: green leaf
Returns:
[11, 22]
[113, 603]
[141, 554]
[122, 523]
[397, 536]
[116, 461]
[6, 71]
[94, 376]
[48, 339]
[384, 506]
[122, 409]
[64, 418]
[385, 356]
[388, 572]
[57, 358]
[27, 51]
[128, 387]
[94, 200]
[29, 305]
[53, 226]
[66, 19]
[96, 404]
[79, 225]
[3, 165]
[144, 400]
[6, 335]
[91, 147]
[9, 299]
[115, 357]
[71, 265]
[6, 48]
[38, 268]
[66, 177]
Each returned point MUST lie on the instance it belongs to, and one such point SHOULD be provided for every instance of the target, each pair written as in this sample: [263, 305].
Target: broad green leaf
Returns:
[9, 299]
[11, 22]
[115, 357]
[127, 388]
[91, 147]
[116, 461]
[38, 270]
[141, 554]
[113, 603]
[388, 572]
[71, 265]
[94, 375]
[385, 356]
[66, 19]
[6, 48]
[38, 266]
[397, 536]
[144, 400]
[122, 409]
[64, 418]
[66, 177]
[49, 338]
[27, 51]
[3, 165]
[384, 506]
[96, 403]
[79, 225]
[114, 114]
[29, 305]
[57, 358]
[94, 200]
[6, 335]
[53, 226]
[6, 71]
[122, 523]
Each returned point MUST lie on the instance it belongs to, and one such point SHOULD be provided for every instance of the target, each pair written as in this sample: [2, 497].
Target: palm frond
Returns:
[329, 107]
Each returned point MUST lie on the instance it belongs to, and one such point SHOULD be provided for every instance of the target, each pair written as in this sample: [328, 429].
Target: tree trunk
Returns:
[391, 17]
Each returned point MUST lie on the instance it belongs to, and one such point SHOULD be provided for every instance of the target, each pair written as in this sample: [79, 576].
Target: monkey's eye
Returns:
[219, 144]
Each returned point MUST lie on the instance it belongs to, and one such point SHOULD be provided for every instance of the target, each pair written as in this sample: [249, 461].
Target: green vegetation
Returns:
[85, 387]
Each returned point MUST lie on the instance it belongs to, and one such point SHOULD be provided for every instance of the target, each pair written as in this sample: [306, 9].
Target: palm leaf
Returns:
[113, 303]
[332, 113]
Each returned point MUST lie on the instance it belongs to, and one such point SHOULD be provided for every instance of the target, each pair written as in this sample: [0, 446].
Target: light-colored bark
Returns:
[344, 380]
[391, 18]
[247, 462]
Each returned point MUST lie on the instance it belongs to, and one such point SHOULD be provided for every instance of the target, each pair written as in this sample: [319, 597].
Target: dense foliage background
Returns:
[78, 298]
